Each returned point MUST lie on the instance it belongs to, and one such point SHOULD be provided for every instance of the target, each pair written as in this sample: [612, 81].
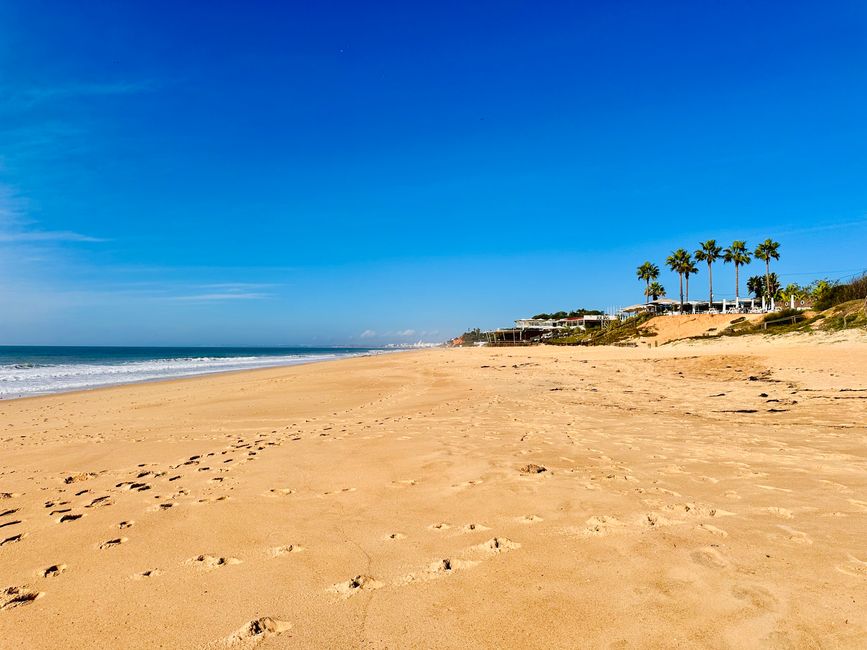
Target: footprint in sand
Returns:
[340, 491]
[393, 536]
[207, 562]
[113, 542]
[437, 569]
[529, 519]
[126, 524]
[713, 530]
[697, 510]
[132, 485]
[472, 528]
[709, 558]
[66, 518]
[599, 525]
[355, 586]
[782, 513]
[13, 539]
[77, 478]
[854, 567]
[796, 536]
[250, 634]
[53, 571]
[756, 596]
[467, 484]
[496, 545]
[150, 573]
[279, 551]
[12, 597]
[440, 526]
[99, 502]
[656, 520]
[276, 492]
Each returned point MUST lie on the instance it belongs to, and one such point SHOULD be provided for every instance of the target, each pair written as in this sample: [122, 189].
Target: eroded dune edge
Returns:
[703, 495]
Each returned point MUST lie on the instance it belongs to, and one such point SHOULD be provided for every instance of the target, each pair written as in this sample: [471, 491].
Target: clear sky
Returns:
[360, 173]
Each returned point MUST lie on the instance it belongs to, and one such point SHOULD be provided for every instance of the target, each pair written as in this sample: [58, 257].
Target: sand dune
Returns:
[704, 494]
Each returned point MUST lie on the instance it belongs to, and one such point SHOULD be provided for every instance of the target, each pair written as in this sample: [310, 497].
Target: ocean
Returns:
[26, 371]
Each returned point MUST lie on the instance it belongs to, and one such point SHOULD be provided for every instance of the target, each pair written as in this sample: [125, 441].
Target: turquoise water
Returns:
[39, 370]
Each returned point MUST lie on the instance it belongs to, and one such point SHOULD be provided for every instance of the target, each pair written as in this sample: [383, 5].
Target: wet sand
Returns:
[706, 494]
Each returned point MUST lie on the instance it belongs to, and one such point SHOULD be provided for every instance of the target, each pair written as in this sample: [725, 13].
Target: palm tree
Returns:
[709, 252]
[689, 268]
[647, 272]
[738, 255]
[757, 284]
[654, 290]
[677, 261]
[768, 250]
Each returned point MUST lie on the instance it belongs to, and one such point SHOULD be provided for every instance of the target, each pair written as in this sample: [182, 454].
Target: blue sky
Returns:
[361, 173]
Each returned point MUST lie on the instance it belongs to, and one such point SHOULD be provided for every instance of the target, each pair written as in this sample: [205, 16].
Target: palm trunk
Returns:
[737, 284]
[710, 281]
[687, 287]
[681, 292]
[768, 280]
[647, 292]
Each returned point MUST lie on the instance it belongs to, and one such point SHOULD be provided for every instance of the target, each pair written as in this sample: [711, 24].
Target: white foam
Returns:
[21, 380]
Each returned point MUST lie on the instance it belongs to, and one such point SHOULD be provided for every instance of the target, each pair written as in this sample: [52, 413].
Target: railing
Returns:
[788, 319]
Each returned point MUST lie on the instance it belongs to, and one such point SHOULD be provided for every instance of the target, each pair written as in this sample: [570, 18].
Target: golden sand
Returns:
[693, 495]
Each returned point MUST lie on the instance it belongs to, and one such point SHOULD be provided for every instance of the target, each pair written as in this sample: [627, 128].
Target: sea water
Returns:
[26, 371]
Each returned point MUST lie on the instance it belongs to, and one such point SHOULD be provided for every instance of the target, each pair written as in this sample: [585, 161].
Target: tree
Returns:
[654, 290]
[689, 268]
[709, 252]
[794, 290]
[756, 285]
[677, 262]
[738, 255]
[647, 272]
[768, 250]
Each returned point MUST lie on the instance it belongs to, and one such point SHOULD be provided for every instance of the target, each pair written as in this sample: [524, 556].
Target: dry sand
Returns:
[695, 495]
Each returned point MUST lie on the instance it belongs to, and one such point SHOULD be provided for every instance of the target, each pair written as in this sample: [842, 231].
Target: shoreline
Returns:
[206, 373]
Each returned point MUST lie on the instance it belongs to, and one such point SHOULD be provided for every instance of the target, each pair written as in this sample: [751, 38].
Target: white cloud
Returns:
[406, 333]
[366, 334]
[15, 227]
[46, 235]
[27, 98]
[233, 295]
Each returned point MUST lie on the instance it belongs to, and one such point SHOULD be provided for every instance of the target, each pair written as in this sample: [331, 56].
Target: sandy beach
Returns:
[707, 495]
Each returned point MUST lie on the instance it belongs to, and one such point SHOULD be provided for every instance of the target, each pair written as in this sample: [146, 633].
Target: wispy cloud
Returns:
[47, 236]
[230, 295]
[406, 333]
[25, 98]
[367, 334]
[236, 286]
[15, 227]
